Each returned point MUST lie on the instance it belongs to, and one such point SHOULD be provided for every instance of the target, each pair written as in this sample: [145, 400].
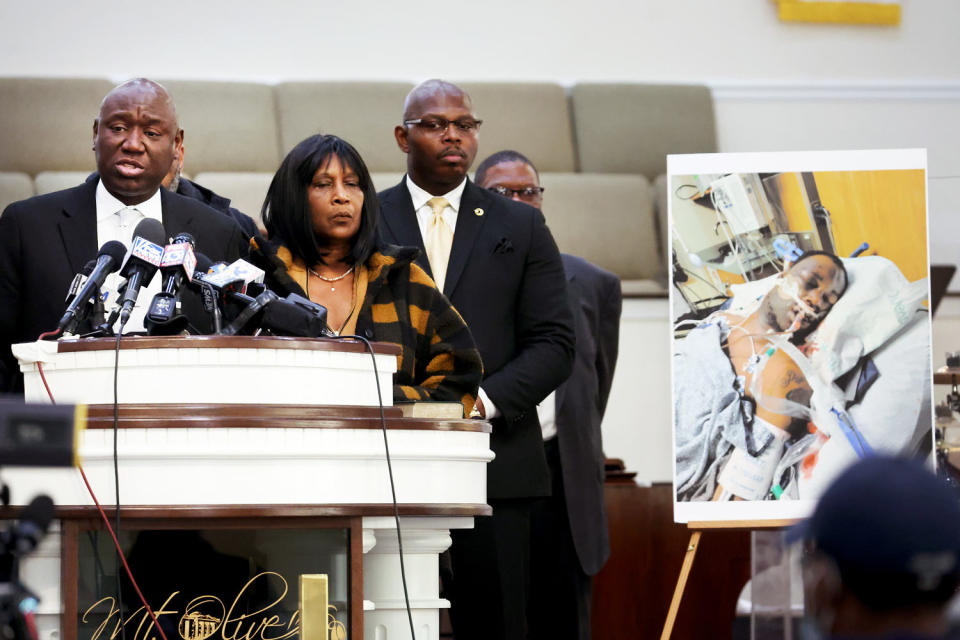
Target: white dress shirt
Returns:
[425, 213]
[449, 215]
[547, 413]
[117, 221]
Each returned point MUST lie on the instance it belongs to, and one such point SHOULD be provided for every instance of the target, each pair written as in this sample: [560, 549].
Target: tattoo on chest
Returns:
[792, 379]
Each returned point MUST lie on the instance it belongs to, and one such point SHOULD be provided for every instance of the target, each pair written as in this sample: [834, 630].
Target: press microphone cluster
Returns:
[233, 294]
[240, 305]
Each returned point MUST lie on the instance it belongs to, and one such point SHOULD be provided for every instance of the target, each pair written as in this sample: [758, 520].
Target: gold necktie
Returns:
[438, 241]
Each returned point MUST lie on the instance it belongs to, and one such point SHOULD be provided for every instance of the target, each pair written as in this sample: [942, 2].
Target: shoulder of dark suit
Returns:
[202, 211]
[56, 199]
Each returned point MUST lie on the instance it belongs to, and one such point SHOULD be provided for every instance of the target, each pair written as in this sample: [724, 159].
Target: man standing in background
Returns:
[175, 182]
[498, 264]
[569, 529]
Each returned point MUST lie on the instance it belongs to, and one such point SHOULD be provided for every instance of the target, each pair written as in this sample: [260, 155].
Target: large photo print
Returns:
[800, 324]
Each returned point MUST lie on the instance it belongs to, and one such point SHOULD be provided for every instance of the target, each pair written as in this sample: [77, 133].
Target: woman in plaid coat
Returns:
[321, 215]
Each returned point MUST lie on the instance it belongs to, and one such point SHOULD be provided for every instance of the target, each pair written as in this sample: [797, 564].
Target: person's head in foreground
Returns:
[882, 552]
[804, 293]
[321, 204]
[512, 175]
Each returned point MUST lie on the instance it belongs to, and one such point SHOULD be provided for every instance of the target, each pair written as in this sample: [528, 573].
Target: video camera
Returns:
[31, 435]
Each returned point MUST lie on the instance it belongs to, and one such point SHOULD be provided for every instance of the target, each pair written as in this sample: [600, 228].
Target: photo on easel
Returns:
[801, 339]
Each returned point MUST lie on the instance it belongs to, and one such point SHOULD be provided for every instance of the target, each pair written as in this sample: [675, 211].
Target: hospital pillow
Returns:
[879, 302]
[894, 415]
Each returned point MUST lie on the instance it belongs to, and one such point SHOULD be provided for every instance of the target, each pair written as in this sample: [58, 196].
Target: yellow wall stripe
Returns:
[878, 13]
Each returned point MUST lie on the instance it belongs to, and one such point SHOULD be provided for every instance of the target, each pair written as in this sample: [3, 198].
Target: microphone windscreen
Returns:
[284, 318]
[152, 230]
[114, 249]
[39, 512]
[184, 238]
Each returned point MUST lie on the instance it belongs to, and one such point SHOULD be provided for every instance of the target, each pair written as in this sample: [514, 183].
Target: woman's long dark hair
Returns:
[286, 209]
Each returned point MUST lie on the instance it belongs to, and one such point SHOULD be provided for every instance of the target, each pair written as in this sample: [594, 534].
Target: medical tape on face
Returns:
[790, 287]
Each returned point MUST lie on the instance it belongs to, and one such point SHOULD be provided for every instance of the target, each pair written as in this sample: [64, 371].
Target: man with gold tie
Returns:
[498, 264]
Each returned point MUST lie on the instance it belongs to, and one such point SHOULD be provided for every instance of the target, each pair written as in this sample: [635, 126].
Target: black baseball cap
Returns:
[893, 529]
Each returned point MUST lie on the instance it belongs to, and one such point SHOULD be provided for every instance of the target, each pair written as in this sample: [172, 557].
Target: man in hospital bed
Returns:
[770, 394]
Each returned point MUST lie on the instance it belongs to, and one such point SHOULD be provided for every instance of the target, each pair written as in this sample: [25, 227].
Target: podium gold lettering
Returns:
[253, 628]
[106, 621]
[207, 618]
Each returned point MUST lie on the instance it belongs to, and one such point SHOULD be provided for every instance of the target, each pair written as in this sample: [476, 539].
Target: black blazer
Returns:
[506, 280]
[47, 239]
[581, 401]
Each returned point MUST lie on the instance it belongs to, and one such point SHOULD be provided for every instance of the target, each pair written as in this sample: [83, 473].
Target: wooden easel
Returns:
[696, 531]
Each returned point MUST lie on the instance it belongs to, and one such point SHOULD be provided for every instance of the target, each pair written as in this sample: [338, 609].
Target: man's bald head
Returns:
[428, 91]
[136, 137]
[146, 87]
[438, 134]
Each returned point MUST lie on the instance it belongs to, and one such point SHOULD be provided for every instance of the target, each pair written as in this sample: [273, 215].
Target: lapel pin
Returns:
[478, 211]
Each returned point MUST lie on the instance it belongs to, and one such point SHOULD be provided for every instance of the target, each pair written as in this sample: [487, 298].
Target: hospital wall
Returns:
[885, 209]
[776, 86]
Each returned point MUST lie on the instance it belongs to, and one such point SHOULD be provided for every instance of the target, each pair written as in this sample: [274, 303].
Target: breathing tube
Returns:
[827, 403]
[756, 477]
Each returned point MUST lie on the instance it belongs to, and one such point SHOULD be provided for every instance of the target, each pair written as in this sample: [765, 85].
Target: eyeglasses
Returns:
[525, 193]
[438, 125]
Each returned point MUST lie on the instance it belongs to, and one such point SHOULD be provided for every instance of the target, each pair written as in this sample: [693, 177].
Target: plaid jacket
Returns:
[403, 306]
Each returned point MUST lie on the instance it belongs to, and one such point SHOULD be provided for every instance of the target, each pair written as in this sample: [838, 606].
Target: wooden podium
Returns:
[255, 432]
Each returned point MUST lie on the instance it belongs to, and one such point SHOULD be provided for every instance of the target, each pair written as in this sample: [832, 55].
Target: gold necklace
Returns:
[337, 279]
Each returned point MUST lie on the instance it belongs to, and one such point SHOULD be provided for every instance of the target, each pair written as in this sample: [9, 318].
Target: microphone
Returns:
[80, 279]
[35, 519]
[227, 288]
[236, 276]
[230, 284]
[17, 603]
[216, 284]
[296, 316]
[207, 293]
[290, 316]
[262, 308]
[141, 263]
[177, 262]
[108, 260]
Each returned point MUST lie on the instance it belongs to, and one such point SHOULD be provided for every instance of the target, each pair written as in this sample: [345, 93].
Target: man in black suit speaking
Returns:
[498, 264]
[569, 529]
[45, 240]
